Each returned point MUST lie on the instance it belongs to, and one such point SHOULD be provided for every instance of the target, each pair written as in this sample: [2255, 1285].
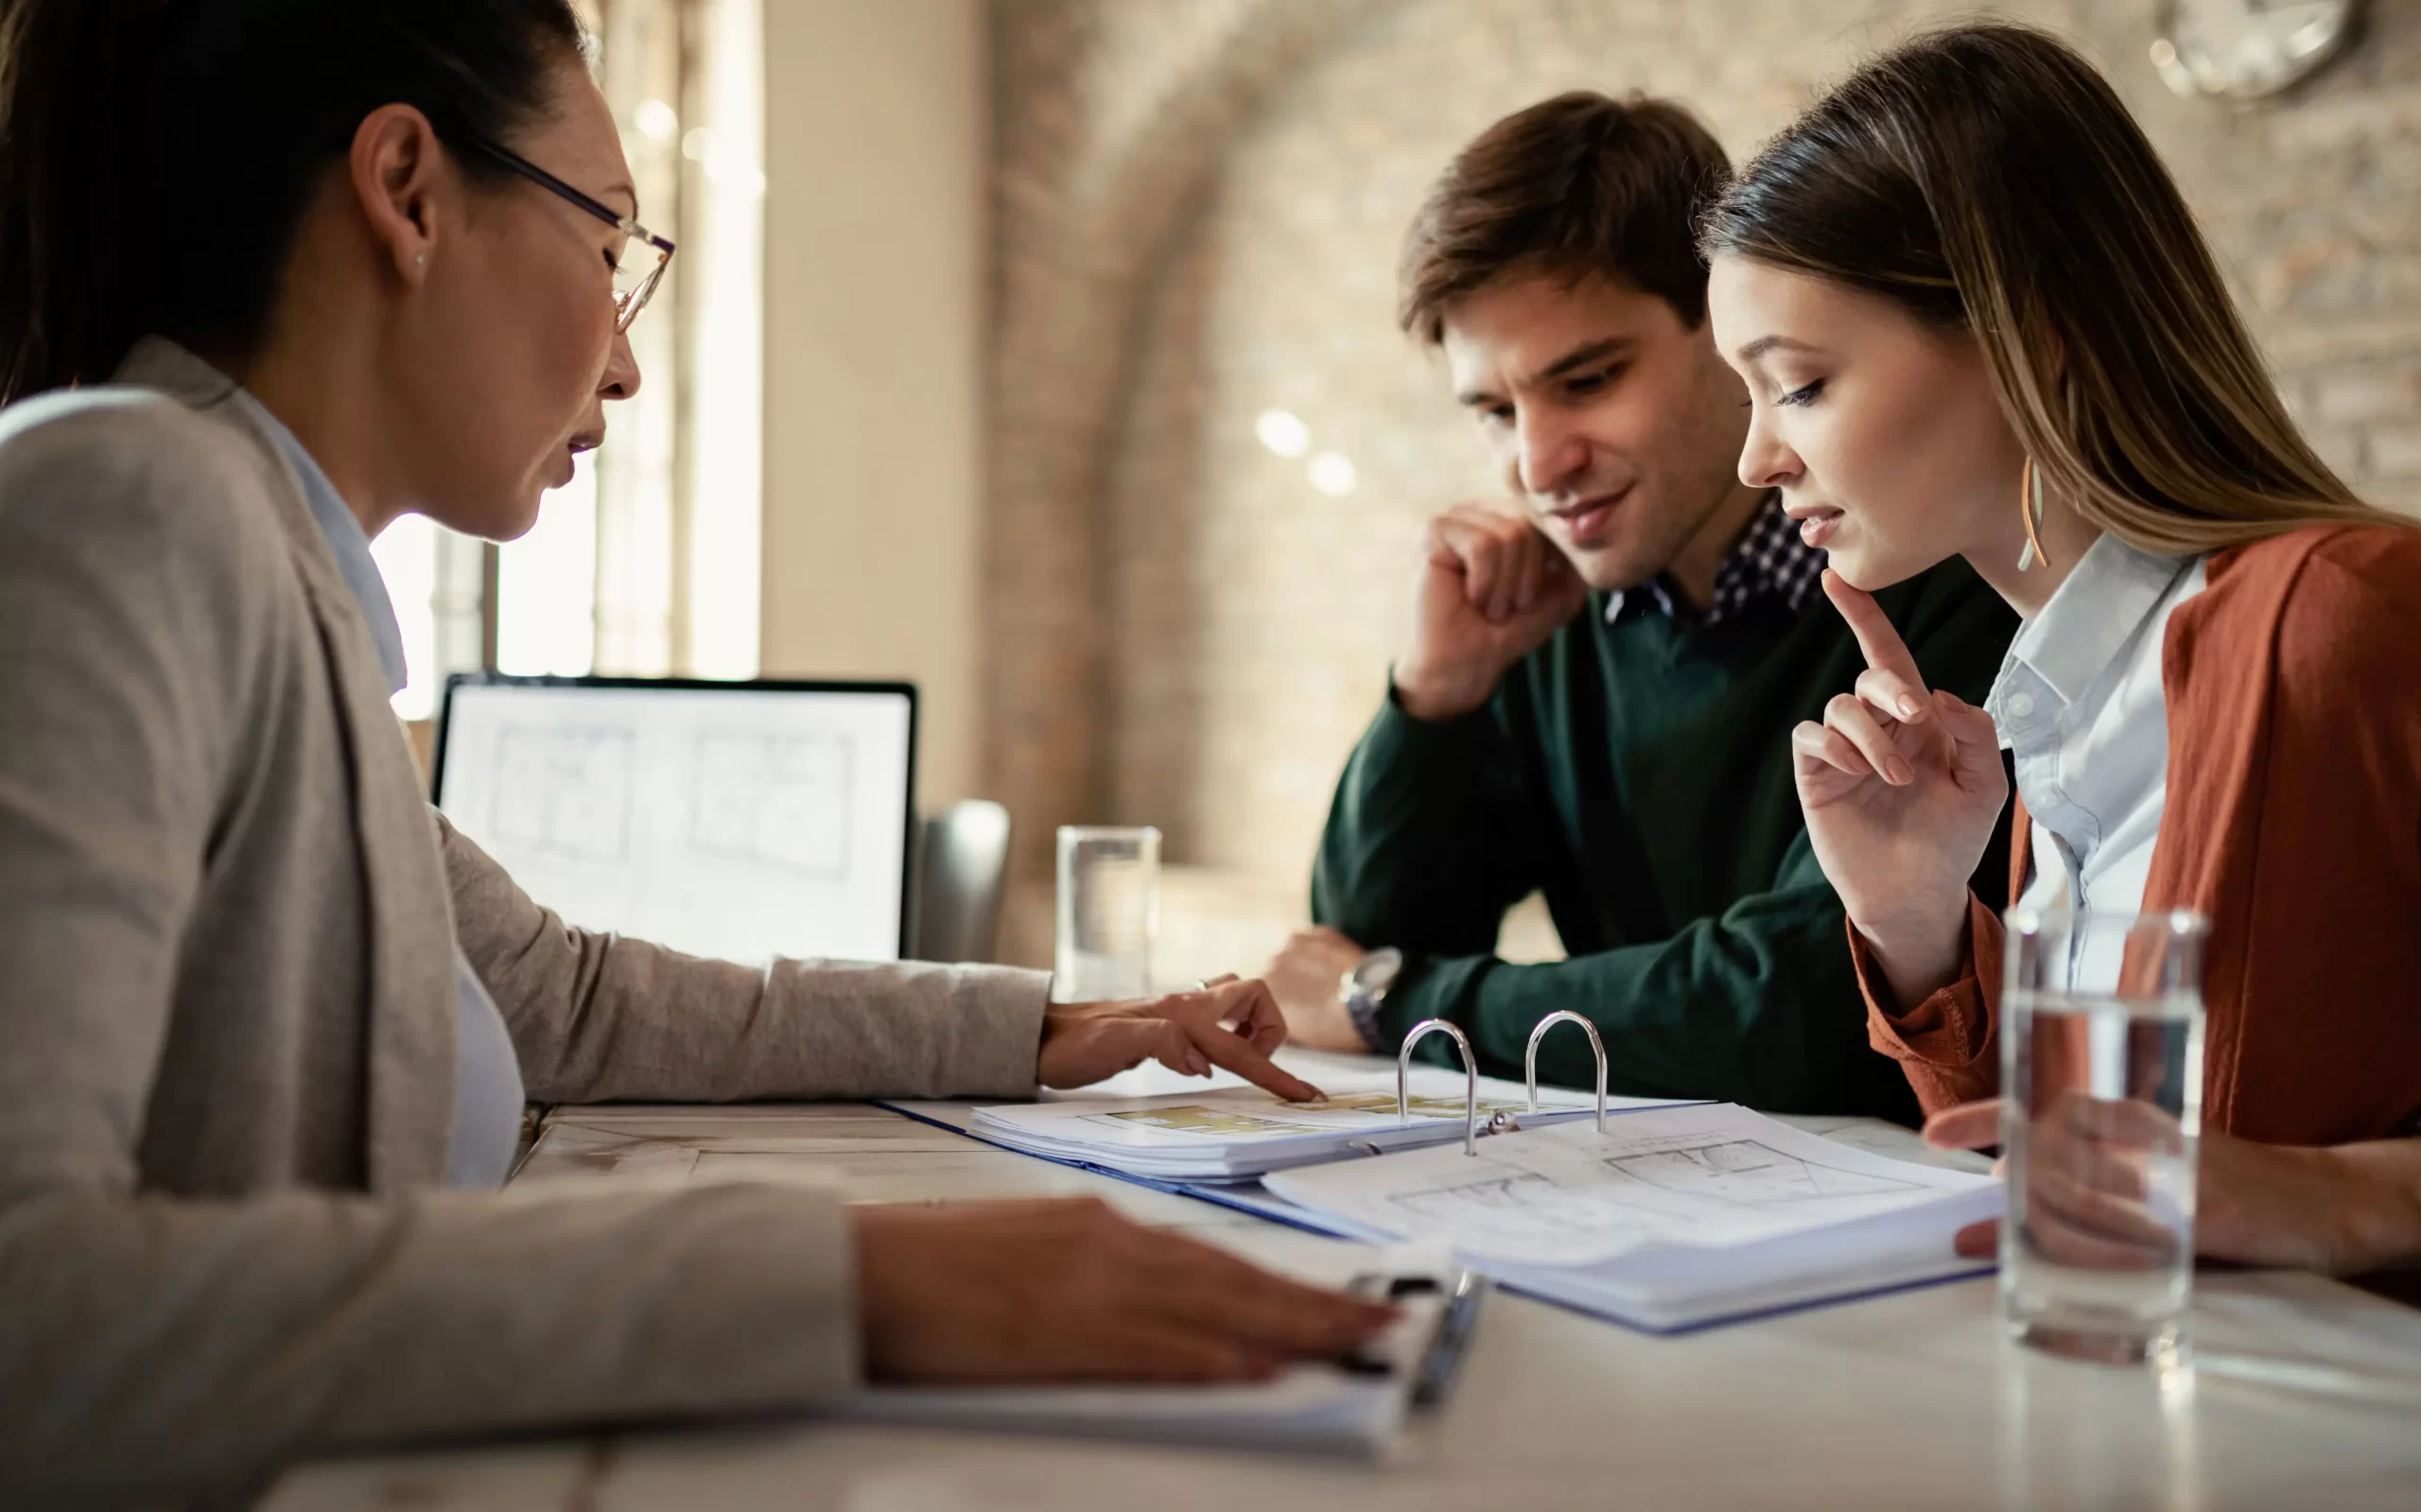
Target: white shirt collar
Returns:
[2074, 639]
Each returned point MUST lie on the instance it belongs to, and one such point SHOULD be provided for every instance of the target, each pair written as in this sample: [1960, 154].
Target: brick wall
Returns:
[1200, 203]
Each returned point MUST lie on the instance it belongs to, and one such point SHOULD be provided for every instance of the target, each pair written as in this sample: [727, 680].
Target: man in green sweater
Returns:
[1597, 694]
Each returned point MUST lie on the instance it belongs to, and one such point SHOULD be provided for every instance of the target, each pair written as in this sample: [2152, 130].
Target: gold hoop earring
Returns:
[2030, 509]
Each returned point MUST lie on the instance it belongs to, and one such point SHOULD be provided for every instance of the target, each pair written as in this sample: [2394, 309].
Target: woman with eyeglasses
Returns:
[1977, 318]
[278, 272]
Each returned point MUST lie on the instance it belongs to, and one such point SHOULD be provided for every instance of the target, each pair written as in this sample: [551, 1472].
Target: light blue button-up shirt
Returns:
[487, 1080]
[2080, 707]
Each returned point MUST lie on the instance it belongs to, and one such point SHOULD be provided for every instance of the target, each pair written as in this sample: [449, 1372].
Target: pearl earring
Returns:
[2030, 509]
[420, 259]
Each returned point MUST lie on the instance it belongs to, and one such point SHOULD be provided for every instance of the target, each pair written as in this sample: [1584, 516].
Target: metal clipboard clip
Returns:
[1457, 1296]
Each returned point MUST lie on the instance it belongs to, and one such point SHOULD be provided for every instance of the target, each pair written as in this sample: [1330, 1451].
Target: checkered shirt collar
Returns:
[1768, 561]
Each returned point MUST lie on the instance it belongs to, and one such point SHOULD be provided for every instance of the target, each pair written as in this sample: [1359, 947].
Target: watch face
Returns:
[2243, 49]
[1377, 971]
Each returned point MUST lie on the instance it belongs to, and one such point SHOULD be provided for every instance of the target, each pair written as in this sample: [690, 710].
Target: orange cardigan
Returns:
[2293, 821]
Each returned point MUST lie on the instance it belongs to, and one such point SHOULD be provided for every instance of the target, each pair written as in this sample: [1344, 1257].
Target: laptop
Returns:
[736, 820]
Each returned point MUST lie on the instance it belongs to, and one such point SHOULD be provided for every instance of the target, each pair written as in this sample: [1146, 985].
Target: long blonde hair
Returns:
[1987, 179]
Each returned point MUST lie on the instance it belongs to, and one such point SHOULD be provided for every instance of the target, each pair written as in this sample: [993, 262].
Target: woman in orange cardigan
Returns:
[1975, 318]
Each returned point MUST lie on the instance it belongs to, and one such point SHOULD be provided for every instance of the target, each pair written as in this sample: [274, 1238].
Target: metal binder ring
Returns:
[1470, 1079]
[1530, 1059]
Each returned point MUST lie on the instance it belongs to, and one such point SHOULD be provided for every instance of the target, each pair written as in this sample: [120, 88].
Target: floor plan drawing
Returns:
[1658, 1192]
[779, 799]
[1515, 1206]
[564, 794]
[1751, 1173]
[1682, 1178]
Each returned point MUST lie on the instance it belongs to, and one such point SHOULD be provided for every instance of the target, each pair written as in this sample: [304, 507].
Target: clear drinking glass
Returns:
[1109, 910]
[2101, 1081]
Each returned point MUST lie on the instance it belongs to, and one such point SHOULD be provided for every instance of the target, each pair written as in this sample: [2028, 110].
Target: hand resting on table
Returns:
[1068, 1290]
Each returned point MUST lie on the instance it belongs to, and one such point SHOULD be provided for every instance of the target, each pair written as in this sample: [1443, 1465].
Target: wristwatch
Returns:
[1364, 992]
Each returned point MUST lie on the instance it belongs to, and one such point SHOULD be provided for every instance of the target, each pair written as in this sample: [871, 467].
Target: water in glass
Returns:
[1109, 910]
[2102, 1106]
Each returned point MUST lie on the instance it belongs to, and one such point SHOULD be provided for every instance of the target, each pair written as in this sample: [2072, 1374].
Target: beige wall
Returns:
[877, 142]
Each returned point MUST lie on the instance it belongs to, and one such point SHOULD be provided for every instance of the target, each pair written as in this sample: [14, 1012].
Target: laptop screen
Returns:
[741, 821]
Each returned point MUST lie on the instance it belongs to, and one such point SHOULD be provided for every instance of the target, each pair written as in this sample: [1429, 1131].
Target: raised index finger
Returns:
[1876, 640]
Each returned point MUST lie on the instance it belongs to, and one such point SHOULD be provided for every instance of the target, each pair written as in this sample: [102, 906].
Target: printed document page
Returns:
[1152, 1079]
[1239, 1128]
[1704, 1176]
[1246, 1113]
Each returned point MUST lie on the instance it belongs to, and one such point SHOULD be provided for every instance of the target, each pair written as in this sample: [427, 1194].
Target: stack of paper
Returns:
[1671, 1218]
[1235, 1134]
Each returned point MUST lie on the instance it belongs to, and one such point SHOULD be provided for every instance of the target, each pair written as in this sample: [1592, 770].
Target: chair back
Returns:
[962, 859]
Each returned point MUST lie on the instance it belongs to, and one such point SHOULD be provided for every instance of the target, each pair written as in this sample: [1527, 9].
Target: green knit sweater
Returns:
[1639, 774]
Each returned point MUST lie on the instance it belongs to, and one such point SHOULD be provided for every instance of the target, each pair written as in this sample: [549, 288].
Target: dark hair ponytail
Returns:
[156, 156]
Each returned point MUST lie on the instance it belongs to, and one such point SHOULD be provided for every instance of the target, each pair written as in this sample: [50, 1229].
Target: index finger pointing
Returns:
[1876, 640]
[1237, 1055]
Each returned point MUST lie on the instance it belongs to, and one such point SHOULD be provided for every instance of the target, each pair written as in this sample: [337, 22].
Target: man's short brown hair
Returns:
[1574, 186]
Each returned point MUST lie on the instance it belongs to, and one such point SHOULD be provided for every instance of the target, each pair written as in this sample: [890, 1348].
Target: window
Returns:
[435, 578]
[724, 324]
[647, 563]
[546, 602]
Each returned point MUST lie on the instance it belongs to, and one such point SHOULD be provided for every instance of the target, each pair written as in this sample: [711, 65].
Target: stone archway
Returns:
[1113, 114]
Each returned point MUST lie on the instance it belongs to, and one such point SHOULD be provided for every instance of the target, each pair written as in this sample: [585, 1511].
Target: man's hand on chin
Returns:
[1305, 977]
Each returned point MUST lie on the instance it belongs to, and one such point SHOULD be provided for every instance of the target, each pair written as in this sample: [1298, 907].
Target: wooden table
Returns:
[1908, 1401]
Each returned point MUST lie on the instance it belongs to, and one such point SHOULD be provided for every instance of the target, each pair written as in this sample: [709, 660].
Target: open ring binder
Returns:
[1530, 1059]
[1502, 1123]
[1470, 1079]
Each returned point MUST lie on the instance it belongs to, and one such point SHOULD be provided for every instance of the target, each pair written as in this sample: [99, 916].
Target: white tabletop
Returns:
[1907, 1400]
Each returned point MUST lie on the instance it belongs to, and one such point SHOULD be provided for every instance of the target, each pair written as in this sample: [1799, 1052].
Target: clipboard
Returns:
[1441, 1364]
[1353, 1407]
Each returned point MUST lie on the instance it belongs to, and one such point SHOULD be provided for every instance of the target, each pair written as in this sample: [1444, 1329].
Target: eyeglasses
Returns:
[636, 273]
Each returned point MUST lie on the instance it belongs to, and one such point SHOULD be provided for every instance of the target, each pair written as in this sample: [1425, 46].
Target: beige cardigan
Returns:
[227, 1018]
